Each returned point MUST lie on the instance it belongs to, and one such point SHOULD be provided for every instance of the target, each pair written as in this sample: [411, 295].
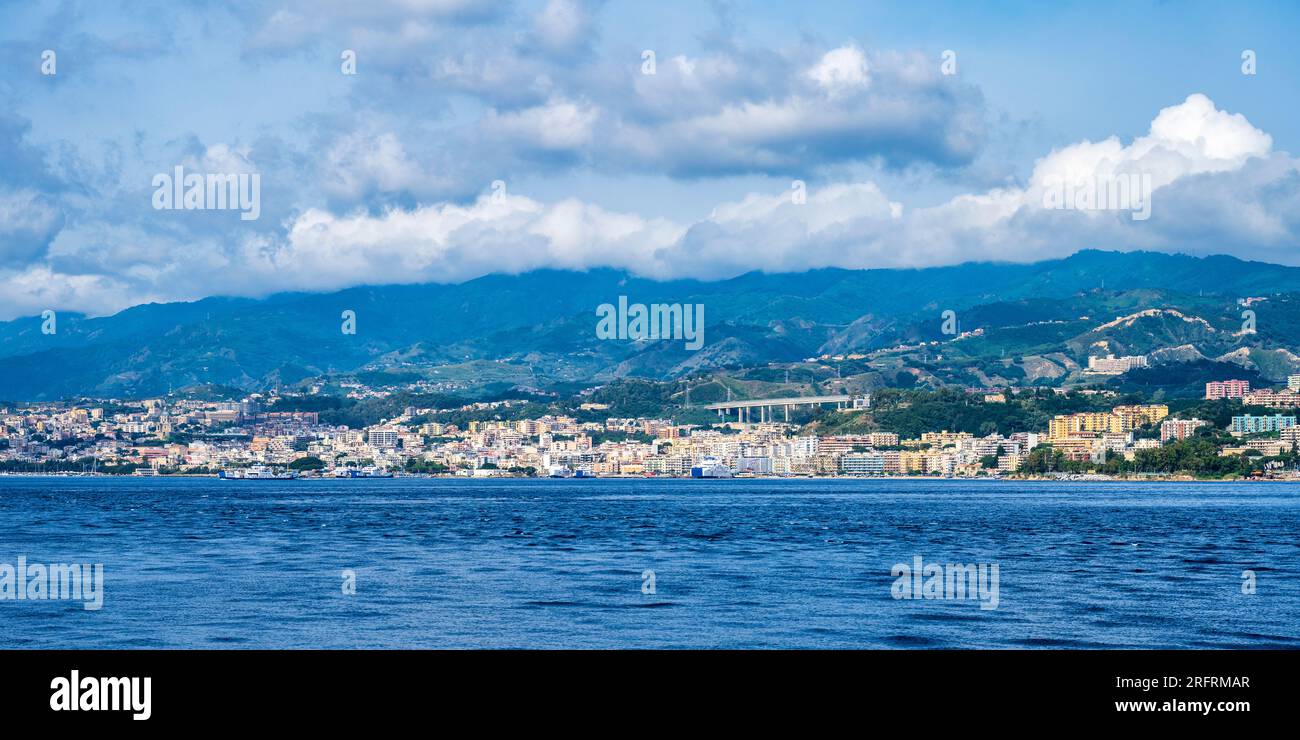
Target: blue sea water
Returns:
[203, 563]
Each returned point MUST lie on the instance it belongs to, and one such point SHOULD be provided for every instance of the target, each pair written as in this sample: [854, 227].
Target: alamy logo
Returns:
[952, 581]
[228, 191]
[1103, 193]
[82, 582]
[638, 321]
[94, 694]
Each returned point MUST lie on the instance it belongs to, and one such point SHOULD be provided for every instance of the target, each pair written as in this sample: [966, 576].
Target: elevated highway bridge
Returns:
[765, 406]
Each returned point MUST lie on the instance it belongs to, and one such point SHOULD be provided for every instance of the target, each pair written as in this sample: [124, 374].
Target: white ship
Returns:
[710, 467]
[257, 472]
[369, 471]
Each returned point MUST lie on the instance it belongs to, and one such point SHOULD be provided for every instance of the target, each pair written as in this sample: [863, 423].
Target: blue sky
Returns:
[387, 175]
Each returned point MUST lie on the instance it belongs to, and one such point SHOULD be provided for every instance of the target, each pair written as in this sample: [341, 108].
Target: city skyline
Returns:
[1094, 432]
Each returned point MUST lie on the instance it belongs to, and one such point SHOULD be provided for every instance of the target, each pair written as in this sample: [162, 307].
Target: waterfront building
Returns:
[1009, 462]
[863, 463]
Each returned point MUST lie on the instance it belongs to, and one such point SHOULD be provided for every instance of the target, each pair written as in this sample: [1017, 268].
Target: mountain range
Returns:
[1015, 324]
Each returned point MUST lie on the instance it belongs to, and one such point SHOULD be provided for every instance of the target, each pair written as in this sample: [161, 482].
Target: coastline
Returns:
[1065, 478]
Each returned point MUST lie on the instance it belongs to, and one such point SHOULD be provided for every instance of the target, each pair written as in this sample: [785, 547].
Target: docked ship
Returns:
[257, 472]
[709, 467]
[369, 471]
[558, 471]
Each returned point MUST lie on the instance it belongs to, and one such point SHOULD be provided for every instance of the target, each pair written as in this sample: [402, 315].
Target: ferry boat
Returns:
[559, 471]
[257, 472]
[369, 471]
[709, 467]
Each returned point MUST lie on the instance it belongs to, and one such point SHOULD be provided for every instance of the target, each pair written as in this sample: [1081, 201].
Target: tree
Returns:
[1044, 459]
[415, 465]
[307, 463]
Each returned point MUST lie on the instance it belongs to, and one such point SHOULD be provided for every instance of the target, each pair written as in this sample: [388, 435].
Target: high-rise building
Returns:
[1227, 389]
[1175, 429]
[1064, 426]
[382, 438]
[1255, 424]
[1132, 417]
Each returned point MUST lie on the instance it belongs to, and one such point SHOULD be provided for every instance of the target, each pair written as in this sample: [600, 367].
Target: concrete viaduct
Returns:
[766, 405]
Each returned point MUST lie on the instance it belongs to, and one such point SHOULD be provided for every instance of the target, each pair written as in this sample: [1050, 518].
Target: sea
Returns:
[656, 563]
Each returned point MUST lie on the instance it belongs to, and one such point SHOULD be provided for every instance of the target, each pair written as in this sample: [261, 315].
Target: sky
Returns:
[669, 139]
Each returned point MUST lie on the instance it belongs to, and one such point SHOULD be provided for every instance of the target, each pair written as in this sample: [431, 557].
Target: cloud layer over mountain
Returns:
[461, 147]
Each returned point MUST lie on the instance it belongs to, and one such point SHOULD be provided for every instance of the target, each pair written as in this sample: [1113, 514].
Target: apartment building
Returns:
[1248, 424]
[1176, 429]
[1226, 389]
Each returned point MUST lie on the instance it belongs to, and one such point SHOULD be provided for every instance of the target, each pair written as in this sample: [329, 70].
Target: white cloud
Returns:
[360, 163]
[448, 243]
[855, 225]
[1190, 138]
[1218, 185]
[557, 125]
[841, 69]
[563, 26]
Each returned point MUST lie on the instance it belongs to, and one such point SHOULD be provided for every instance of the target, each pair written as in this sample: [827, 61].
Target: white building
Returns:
[1112, 365]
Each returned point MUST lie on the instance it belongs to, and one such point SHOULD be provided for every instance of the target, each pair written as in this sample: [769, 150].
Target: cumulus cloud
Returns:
[379, 177]
[728, 109]
[739, 111]
[841, 69]
[557, 125]
[1201, 159]
[28, 222]
[1191, 138]
[1216, 182]
[449, 243]
[564, 27]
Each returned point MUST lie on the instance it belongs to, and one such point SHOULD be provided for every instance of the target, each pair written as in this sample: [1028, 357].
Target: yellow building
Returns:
[910, 462]
[1120, 419]
[1133, 417]
[1064, 426]
[939, 440]
[1084, 447]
